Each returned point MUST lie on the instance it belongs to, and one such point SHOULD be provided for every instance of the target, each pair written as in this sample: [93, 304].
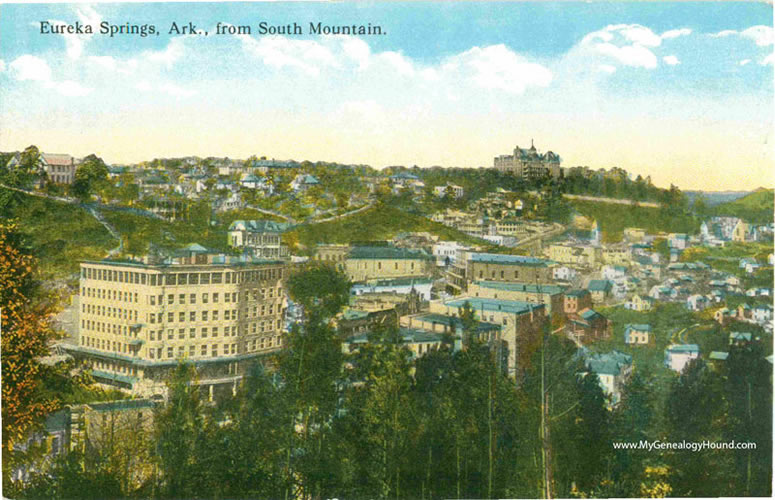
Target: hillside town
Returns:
[509, 268]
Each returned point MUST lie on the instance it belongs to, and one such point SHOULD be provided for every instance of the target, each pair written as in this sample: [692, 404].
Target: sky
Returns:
[679, 91]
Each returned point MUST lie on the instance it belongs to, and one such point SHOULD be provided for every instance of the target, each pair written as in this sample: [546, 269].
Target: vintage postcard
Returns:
[405, 250]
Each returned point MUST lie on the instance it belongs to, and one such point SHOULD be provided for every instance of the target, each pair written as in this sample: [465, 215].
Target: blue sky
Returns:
[680, 91]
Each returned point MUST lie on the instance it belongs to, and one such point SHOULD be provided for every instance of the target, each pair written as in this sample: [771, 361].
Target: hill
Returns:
[381, 222]
[756, 207]
[614, 218]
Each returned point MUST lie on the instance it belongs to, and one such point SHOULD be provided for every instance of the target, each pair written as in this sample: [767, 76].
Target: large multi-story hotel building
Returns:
[139, 318]
[529, 163]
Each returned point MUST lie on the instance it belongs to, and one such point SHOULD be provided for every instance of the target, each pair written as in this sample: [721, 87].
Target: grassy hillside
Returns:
[757, 207]
[381, 222]
[614, 218]
[60, 234]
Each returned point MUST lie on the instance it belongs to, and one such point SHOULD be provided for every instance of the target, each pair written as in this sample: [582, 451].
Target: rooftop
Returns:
[521, 287]
[496, 305]
[515, 260]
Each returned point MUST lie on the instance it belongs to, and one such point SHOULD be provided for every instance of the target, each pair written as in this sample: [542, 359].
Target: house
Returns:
[762, 313]
[441, 191]
[740, 338]
[564, 273]
[740, 231]
[587, 325]
[759, 292]
[303, 182]
[600, 290]
[637, 334]
[677, 356]
[723, 315]
[744, 312]
[661, 292]
[640, 303]
[697, 302]
[577, 300]
[262, 238]
[678, 240]
[614, 272]
[446, 252]
[419, 342]
[233, 201]
[550, 295]
[421, 286]
[497, 267]
[613, 369]
[58, 168]
[251, 181]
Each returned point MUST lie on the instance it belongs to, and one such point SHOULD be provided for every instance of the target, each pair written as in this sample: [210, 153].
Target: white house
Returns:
[762, 313]
[612, 370]
[400, 286]
[697, 302]
[677, 356]
[441, 191]
[614, 272]
[564, 273]
[445, 252]
[302, 182]
[637, 334]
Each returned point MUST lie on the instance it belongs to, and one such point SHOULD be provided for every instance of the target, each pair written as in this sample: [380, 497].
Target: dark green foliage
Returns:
[756, 207]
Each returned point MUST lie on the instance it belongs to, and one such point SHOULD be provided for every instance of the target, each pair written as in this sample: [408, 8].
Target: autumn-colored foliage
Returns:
[26, 331]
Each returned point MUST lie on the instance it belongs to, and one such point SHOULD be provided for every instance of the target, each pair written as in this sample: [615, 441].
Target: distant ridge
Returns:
[755, 207]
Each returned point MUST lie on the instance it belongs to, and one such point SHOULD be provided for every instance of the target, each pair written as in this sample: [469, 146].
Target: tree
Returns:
[26, 333]
[88, 176]
[178, 432]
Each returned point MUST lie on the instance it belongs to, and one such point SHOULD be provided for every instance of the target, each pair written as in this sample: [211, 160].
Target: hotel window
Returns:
[182, 298]
[204, 315]
[170, 317]
[192, 298]
[217, 278]
[214, 350]
[169, 352]
[182, 333]
[234, 348]
[215, 315]
[191, 350]
[192, 332]
[204, 278]
[151, 354]
[182, 279]
[170, 334]
[234, 297]
[152, 335]
[204, 298]
[192, 316]
[193, 279]
[227, 297]
[171, 298]
[181, 317]
[181, 351]
[215, 331]
[204, 350]
[215, 297]
[204, 332]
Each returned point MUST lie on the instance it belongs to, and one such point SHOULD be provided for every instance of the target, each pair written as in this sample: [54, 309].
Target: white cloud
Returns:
[630, 44]
[357, 50]
[744, 62]
[671, 60]
[398, 62]
[31, 68]
[498, 67]
[143, 86]
[106, 62]
[2, 65]
[70, 88]
[635, 55]
[761, 35]
[174, 51]
[279, 52]
[675, 33]
[607, 68]
[175, 90]
[35, 69]
[770, 59]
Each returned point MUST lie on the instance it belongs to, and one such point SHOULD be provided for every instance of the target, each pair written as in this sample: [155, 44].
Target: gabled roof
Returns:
[590, 314]
[638, 327]
[599, 286]
[610, 363]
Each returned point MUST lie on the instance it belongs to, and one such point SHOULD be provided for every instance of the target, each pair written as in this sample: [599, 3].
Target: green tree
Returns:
[90, 175]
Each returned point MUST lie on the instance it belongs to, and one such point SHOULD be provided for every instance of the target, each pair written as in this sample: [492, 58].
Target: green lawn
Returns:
[381, 222]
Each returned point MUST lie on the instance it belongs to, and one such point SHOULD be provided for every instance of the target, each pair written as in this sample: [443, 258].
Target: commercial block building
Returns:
[138, 319]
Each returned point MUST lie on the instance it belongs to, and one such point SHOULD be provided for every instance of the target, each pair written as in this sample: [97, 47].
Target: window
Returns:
[181, 317]
[226, 314]
[217, 278]
[204, 298]
[214, 350]
[204, 350]
[170, 334]
[204, 332]
[215, 315]
[182, 298]
[204, 278]
[151, 353]
[204, 315]
[170, 317]
[170, 299]
[191, 350]
[227, 297]
[215, 331]
[215, 297]
[193, 279]
[192, 298]
[192, 316]
[181, 351]
[169, 352]
[192, 332]
[234, 297]
[182, 333]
